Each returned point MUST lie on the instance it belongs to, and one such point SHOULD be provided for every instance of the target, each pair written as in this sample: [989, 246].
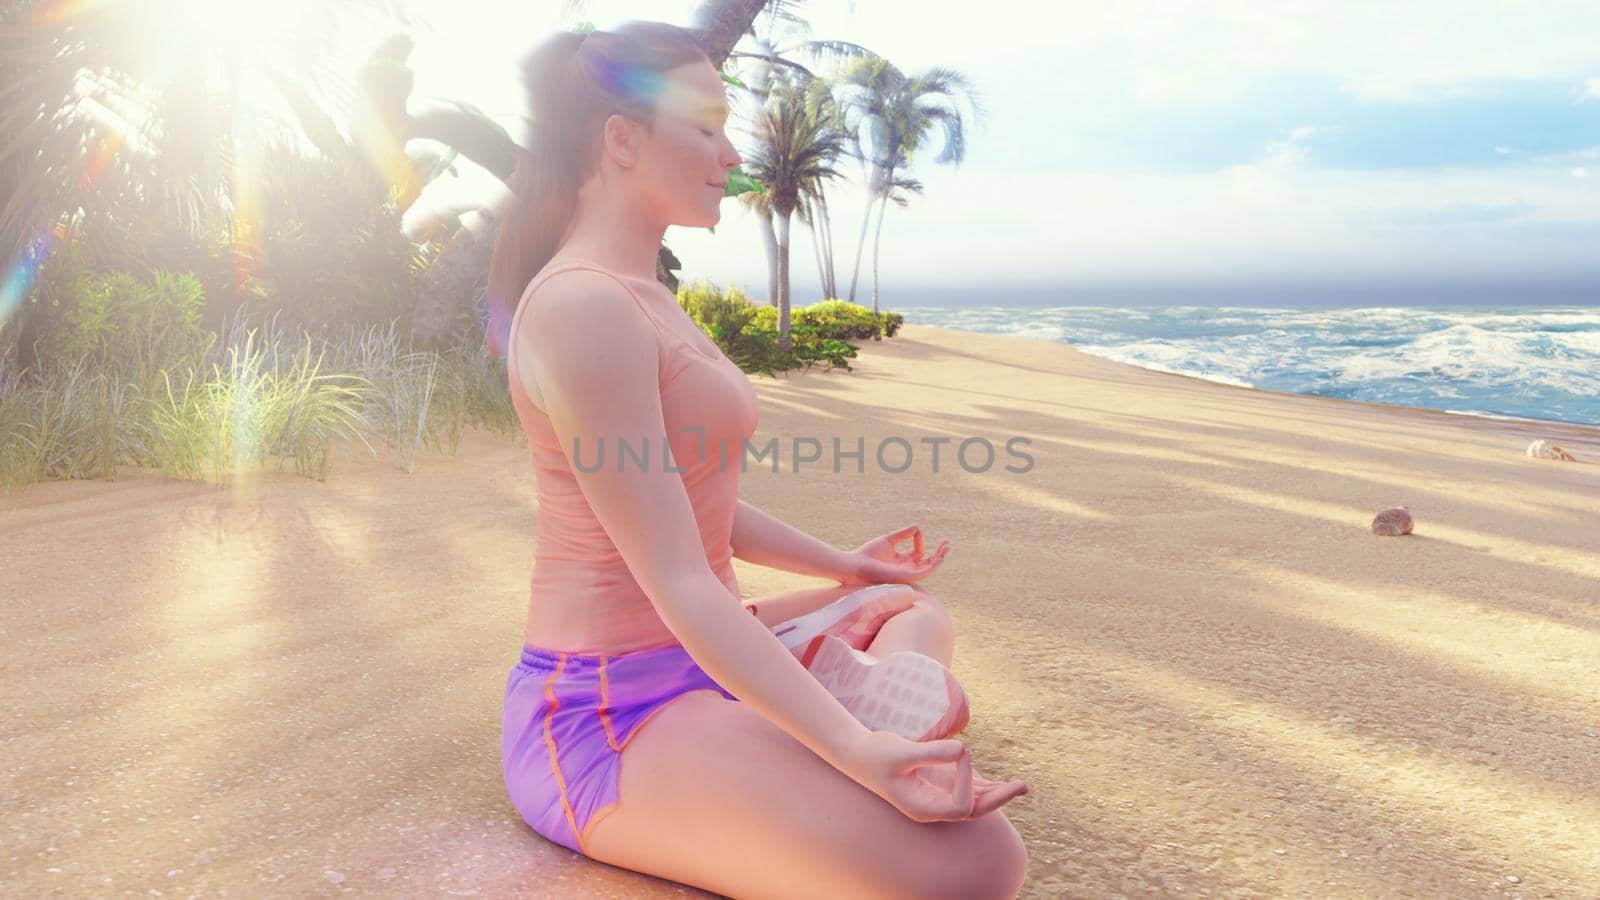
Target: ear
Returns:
[622, 139]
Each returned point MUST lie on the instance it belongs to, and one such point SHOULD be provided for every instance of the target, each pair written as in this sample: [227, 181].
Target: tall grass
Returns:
[403, 383]
[263, 402]
[255, 396]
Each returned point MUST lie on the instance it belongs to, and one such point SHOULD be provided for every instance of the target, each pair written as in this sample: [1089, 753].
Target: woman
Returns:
[753, 778]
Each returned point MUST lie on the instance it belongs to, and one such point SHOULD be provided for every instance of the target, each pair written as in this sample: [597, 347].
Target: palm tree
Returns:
[813, 208]
[770, 65]
[897, 181]
[137, 131]
[795, 147]
[757, 90]
[891, 114]
[154, 107]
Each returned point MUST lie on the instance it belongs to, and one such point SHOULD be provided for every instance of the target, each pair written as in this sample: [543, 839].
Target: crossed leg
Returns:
[715, 796]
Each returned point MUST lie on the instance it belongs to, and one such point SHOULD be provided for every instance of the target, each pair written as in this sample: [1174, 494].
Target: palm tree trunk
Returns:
[861, 243]
[830, 286]
[769, 244]
[878, 239]
[722, 23]
[785, 341]
[816, 253]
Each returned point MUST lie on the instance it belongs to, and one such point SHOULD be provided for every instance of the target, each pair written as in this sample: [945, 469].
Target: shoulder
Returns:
[576, 295]
[582, 320]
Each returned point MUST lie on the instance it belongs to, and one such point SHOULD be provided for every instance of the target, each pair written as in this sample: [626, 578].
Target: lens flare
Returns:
[629, 81]
[246, 198]
[18, 281]
[53, 12]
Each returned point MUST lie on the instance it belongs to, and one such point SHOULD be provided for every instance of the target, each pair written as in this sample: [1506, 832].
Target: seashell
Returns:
[1542, 449]
[1393, 522]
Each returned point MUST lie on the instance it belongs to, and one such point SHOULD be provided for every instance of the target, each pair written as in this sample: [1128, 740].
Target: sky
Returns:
[1155, 152]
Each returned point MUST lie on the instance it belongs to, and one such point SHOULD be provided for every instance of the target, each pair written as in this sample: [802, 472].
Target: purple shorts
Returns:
[567, 717]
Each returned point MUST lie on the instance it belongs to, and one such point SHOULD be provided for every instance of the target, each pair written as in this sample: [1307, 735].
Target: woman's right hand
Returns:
[928, 781]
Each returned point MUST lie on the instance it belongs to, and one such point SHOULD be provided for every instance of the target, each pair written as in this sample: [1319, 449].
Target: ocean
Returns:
[1522, 362]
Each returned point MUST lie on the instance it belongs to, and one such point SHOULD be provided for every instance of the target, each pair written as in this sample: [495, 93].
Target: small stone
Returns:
[1280, 851]
[1393, 522]
[335, 877]
[386, 872]
[1513, 879]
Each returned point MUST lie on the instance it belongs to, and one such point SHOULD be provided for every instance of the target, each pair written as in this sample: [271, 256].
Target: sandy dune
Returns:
[1176, 626]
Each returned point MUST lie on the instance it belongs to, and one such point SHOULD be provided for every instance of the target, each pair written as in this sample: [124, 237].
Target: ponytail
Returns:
[574, 82]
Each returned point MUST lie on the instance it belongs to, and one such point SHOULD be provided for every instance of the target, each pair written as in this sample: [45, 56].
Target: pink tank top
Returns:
[583, 597]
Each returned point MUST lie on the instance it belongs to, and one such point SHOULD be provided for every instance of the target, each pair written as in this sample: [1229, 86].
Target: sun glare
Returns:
[236, 23]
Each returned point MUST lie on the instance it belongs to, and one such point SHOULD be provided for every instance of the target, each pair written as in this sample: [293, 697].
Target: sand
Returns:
[1176, 627]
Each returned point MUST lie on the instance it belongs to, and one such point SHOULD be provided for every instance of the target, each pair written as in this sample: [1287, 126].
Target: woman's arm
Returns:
[765, 541]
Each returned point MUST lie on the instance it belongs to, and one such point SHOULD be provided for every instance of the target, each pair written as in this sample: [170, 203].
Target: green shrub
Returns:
[726, 318]
[123, 324]
[747, 332]
[835, 319]
[325, 255]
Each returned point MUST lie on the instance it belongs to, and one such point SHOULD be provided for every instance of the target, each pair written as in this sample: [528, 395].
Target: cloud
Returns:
[1167, 55]
[1306, 132]
[1580, 155]
[1209, 54]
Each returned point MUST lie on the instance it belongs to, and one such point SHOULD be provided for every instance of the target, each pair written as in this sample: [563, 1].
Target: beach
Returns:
[1175, 625]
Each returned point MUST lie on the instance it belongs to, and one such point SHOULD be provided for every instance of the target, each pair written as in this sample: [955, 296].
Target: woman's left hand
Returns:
[878, 562]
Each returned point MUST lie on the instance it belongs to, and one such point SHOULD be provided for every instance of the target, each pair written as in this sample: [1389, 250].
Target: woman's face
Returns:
[682, 164]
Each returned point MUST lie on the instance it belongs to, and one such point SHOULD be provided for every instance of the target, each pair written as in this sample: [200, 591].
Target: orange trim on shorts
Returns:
[594, 820]
[549, 741]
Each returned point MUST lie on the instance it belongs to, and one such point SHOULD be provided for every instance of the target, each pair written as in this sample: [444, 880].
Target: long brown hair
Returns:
[574, 81]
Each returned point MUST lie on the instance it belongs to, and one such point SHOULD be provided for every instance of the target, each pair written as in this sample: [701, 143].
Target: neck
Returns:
[614, 230]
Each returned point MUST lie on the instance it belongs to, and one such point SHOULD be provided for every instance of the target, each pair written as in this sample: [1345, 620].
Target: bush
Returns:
[123, 324]
[747, 332]
[834, 319]
[725, 317]
[324, 255]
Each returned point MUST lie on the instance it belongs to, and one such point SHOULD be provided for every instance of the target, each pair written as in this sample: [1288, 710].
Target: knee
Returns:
[993, 865]
[934, 610]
